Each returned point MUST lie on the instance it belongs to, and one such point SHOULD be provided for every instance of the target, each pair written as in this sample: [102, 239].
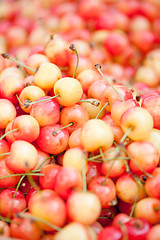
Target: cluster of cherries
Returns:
[80, 119]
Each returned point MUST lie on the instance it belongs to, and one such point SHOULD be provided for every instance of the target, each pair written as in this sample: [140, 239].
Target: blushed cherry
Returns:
[25, 228]
[110, 232]
[27, 128]
[127, 189]
[114, 167]
[104, 189]
[4, 148]
[72, 231]
[74, 138]
[11, 72]
[140, 120]
[11, 86]
[69, 89]
[7, 112]
[75, 157]
[151, 184]
[87, 77]
[23, 157]
[47, 205]
[11, 203]
[80, 207]
[46, 112]
[47, 75]
[52, 139]
[154, 138]
[4, 229]
[34, 61]
[9, 181]
[96, 89]
[143, 156]
[154, 232]
[95, 134]
[68, 180]
[50, 172]
[43, 159]
[119, 107]
[29, 94]
[152, 214]
[75, 114]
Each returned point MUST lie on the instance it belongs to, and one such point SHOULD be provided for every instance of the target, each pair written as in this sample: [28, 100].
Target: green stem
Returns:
[20, 174]
[6, 55]
[93, 102]
[102, 109]
[136, 199]
[98, 67]
[69, 125]
[107, 175]
[18, 185]
[13, 130]
[4, 154]
[72, 47]
[126, 134]
[38, 219]
[42, 100]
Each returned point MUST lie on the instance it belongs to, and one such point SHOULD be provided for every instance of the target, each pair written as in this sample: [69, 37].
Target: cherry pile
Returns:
[80, 119]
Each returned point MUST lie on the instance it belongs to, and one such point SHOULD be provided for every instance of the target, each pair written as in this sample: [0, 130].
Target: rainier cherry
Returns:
[95, 134]
[7, 112]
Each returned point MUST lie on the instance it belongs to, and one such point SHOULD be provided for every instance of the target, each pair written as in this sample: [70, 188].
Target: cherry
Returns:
[110, 232]
[48, 206]
[11, 203]
[25, 228]
[52, 139]
[7, 112]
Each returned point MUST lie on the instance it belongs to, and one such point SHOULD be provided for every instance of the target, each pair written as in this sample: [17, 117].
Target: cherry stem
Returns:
[84, 174]
[99, 155]
[20, 174]
[4, 154]
[146, 173]
[69, 125]
[126, 134]
[38, 219]
[6, 55]
[72, 47]
[33, 183]
[102, 109]
[107, 175]
[44, 162]
[136, 199]
[98, 67]
[13, 130]
[93, 102]
[18, 185]
[156, 208]
[42, 100]
[4, 219]
[22, 68]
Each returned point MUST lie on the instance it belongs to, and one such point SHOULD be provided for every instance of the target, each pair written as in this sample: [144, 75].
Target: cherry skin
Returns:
[10, 204]
[46, 112]
[69, 89]
[4, 229]
[25, 228]
[104, 189]
[9, 181]
[110, 232]
[52, 140]
[68, 179]
[80, 207]
[23, 157]
[140, 120]
[7, 112]
[151, 184]
[152, 214]
[138, 227]
[27, 128]
[34, 61]
[143, 155]
[50, 172]
[95, 134]
[154, 232]
[75, 114]
[4, 148]
[46, 204]
[127, 189]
